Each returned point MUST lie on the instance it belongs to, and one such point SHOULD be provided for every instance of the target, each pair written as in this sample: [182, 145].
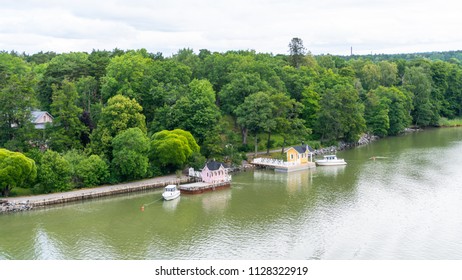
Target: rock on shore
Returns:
[6, 206]
[364, 140]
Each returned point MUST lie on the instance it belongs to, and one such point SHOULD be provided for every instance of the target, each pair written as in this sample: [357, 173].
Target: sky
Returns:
[166, 26]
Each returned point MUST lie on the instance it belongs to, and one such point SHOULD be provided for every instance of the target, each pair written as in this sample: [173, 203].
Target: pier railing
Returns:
[274, 162]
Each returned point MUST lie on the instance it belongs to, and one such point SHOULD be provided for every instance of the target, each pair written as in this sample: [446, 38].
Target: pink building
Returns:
[215, 172]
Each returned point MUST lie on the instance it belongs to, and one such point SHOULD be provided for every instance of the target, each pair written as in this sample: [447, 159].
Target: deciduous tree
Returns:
[15, 170]
[256, 115]
[67, 129]
[130, 154]
[54, 173]
[171, 150]
[119, 114]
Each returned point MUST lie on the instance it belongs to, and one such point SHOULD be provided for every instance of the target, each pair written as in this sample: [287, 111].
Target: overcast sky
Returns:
[325, 26]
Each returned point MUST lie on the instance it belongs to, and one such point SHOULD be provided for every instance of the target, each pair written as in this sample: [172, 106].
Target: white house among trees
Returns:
[40, 118]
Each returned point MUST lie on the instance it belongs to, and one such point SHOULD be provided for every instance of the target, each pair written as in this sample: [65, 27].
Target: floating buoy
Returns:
[142, 208]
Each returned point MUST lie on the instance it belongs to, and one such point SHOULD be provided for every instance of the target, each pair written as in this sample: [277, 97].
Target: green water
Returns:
[407, 204]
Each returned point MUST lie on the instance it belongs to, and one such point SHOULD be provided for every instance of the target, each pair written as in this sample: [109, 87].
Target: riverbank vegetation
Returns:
[125, 115]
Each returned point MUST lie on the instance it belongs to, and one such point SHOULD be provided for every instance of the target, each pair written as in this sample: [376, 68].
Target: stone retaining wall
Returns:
[15, 206]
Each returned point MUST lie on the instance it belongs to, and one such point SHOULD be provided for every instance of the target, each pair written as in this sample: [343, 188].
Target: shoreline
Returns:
[26, 203]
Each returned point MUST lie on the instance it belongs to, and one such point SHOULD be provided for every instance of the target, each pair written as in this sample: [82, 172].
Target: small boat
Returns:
[170, 192]
[330, 160]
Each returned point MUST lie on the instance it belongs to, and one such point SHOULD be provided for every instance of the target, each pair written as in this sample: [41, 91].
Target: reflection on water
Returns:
[405, 205]
[294, 181]
[171, 205]
[331, 170]
[216, 201]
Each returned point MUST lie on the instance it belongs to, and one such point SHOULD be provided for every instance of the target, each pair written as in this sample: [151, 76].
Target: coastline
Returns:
[26, 203]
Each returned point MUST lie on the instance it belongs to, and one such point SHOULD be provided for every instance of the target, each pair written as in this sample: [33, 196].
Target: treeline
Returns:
[449, 56]
[125, 115]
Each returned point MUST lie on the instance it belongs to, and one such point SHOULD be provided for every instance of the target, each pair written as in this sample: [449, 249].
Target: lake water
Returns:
[405, 204]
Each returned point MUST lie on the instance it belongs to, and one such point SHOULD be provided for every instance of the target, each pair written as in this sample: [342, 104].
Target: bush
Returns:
[54, 174]
[92, 171]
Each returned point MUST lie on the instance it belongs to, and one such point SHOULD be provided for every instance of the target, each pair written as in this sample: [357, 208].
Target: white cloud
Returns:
[331, 26]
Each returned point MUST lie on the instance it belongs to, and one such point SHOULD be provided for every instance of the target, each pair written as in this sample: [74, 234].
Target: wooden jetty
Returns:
[282, 166]
[201, 187]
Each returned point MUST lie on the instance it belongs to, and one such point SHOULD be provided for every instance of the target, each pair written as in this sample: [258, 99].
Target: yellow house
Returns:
[301, 154]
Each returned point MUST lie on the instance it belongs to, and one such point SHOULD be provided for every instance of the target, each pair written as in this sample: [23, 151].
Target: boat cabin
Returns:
[170, 188]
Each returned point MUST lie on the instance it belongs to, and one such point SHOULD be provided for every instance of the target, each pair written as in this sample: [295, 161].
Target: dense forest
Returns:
[127, 115]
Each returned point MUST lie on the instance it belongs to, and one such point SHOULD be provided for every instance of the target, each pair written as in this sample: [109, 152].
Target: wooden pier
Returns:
[201, 187]
[282, 166]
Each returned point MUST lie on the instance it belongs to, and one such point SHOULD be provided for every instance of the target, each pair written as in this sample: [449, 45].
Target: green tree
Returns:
[440, 76]
[130, 154]
[92, 171]
[255, 115]
[388, 73]
[296, 80]
[286, 113]
[310, 101]
[242, 85]
[454, 92]
[126, 75]
[66, 66]
[15, 170]
[187, 57]
[341, 114]
[172, 150]
[74, 157]
[88, 90]
[376, 114]
[168, 81]
[370, 76]
[67, 128]
[296, 52]
[17, 98]
[119, 114]
[399, 108]
[418, 81]
[195, 112]
[54, 173]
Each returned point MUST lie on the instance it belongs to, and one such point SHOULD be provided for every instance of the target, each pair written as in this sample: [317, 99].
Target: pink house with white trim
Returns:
[215, 172]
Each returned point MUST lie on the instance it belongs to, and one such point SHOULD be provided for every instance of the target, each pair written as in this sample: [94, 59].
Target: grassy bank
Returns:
[444, 122]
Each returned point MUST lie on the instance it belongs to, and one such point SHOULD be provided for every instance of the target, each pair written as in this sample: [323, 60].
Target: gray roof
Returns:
[37, 114]
[301, 149]
[215, 165]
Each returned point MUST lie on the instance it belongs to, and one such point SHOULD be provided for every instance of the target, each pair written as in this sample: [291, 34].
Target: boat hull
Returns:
[171, 196]
[331, 163]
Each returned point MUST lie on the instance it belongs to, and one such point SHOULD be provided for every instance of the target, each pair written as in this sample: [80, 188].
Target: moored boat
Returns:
[330, 160]
[171, 192]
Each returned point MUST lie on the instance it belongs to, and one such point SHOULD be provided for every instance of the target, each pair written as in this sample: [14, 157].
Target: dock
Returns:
[282, 166]
[303, 166]
[201, 187]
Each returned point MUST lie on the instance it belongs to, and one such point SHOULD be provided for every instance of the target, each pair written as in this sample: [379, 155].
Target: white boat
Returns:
[330, 160]
[170, 192]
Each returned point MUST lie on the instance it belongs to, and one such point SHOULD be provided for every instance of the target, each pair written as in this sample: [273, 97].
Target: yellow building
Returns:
[301, 154]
